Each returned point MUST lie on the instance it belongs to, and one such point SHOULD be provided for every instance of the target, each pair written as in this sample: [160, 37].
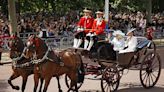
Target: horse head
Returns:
[16, 46]
[36, 47]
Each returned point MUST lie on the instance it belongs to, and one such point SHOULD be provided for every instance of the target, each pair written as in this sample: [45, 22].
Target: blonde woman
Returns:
[118, 40]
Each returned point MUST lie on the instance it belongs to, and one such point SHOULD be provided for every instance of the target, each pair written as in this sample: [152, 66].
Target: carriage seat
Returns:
[142, 42]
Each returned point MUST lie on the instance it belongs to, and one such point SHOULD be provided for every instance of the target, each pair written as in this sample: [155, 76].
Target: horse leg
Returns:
[12, 77]
[24, 82]
[59, 87]
[41, 84]
[76, 89]
[73, 83]
[36, 81]
[47, 81]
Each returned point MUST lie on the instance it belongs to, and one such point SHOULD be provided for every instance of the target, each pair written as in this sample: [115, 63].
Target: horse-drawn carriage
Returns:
[145, 59]
[109, 69]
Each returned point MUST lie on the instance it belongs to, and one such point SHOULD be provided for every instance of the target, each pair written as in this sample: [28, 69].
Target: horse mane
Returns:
[40, 43]
[20, 44]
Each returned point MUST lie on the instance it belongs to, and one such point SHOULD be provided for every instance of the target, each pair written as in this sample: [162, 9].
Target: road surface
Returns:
[129, 82]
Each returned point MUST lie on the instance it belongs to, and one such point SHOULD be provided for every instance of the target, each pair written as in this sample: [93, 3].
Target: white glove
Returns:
[95, 33]
[89, 34]
[92, 34]
[82, 29]
[78, 29]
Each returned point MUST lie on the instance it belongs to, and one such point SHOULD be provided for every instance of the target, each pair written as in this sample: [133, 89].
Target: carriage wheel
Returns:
[150, 70]
[110, 79]
[68, 81]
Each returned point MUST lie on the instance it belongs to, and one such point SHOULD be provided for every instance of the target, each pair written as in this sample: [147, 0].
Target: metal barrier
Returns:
[5, 41]
[61, 42]
[58, 42]
[55, 42]
[158, 37]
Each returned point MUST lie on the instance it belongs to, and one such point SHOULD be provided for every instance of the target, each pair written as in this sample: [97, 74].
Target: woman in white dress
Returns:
[131, 42]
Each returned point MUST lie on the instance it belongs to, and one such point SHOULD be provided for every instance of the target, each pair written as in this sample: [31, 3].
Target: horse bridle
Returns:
[34, 59]
[16, 50]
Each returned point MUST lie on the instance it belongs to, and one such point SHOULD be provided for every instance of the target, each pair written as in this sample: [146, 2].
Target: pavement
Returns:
[129, 82]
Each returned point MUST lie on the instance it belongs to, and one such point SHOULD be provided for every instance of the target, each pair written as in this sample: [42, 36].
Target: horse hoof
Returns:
[16, 87]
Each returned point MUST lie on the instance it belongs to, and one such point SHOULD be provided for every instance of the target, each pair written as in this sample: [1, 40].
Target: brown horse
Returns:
[49, 64]
[16, 48]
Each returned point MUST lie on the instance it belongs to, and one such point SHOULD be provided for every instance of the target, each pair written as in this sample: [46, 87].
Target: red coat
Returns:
[86, 23]
[98, 28]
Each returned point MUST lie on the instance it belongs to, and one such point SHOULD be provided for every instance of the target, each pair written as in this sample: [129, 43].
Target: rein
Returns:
[33, 61]
[15, 61]
[45, 57]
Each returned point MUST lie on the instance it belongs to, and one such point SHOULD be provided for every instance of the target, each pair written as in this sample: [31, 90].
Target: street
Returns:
[130, 81]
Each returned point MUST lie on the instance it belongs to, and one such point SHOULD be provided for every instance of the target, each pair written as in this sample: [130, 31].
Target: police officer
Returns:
[84, 25]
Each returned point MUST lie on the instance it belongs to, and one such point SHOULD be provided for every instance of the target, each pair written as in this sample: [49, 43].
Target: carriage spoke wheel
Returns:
[110, 79]
[68, 82]
[150, 70]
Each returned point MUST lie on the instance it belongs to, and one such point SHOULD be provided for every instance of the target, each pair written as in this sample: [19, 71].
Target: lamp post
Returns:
[107, 10]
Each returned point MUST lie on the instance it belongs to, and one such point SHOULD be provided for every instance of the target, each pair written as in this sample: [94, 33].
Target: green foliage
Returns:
[59, 6]
[63, 6]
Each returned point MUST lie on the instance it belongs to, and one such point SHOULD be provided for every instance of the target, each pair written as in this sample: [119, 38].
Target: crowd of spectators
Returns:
[124, 21]
[52, 24]
[55, 25]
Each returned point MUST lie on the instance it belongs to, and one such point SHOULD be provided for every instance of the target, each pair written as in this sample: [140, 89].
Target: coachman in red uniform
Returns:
[84, 26]
[97, 30]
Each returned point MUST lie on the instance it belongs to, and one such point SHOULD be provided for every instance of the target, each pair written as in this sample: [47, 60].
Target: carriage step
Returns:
[93, 78]
[107, 61]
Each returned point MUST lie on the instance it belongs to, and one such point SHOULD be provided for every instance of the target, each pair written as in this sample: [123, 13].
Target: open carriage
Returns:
[110, 70]
[145, 59]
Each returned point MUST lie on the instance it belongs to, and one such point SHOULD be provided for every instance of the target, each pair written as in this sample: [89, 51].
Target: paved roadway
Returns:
[129, 82]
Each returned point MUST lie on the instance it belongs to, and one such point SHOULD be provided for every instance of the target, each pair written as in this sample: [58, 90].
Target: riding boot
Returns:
[90, 45]
[79, 43]
[75, 42]
[86, 44]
